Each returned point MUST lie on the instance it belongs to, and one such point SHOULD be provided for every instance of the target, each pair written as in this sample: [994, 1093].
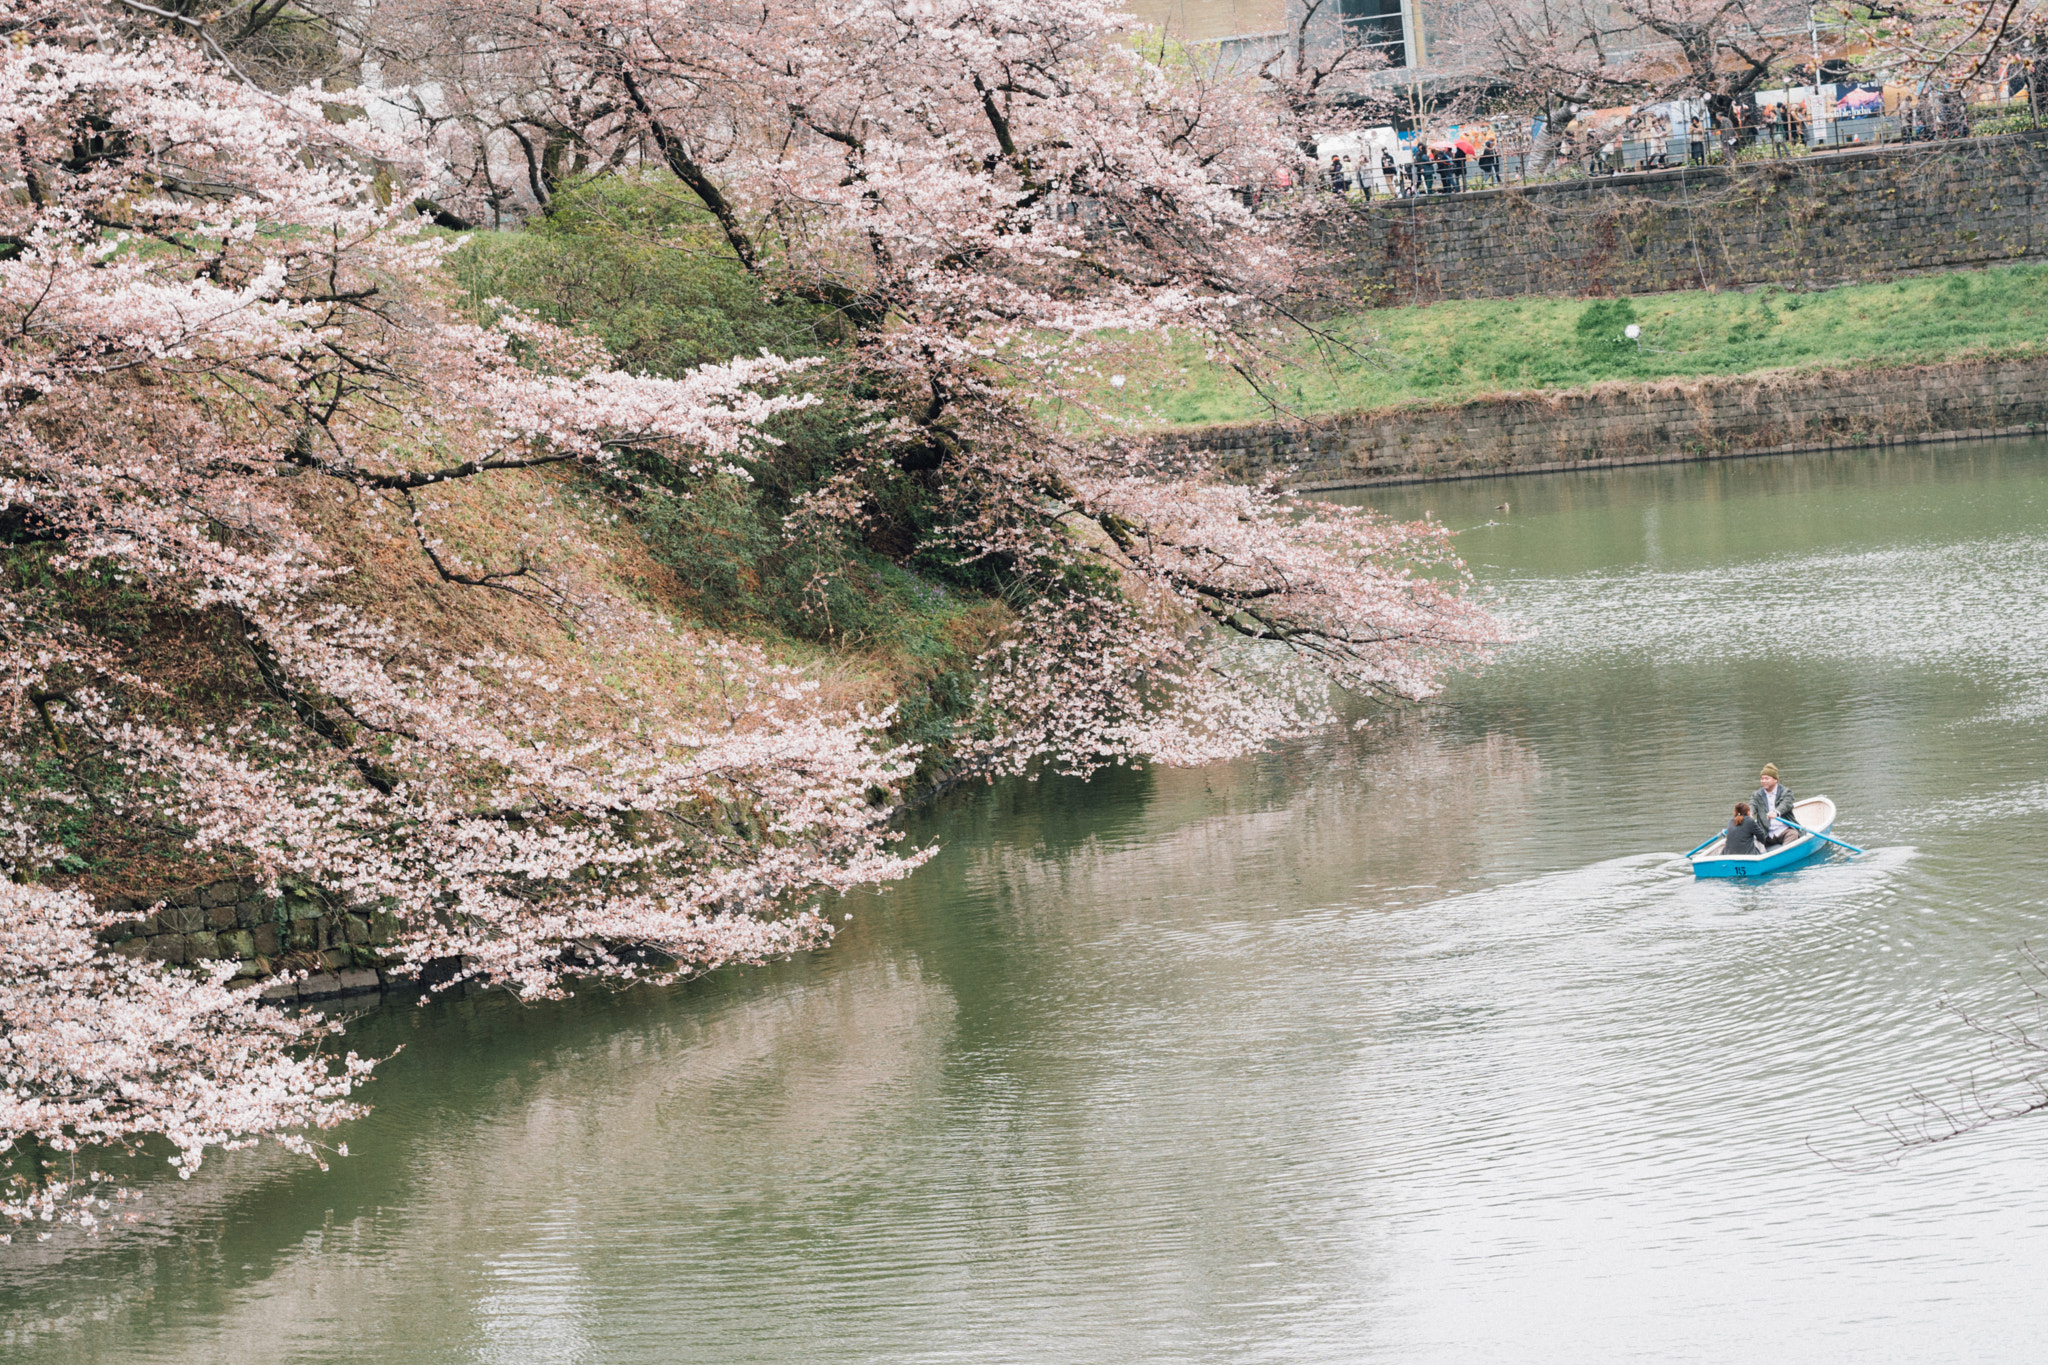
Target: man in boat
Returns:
[1773, 806]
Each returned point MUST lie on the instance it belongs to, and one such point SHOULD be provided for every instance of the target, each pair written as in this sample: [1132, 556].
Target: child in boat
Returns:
[1744, 835]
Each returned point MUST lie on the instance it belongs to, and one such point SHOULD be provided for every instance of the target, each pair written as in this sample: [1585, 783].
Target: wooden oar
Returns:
[1794, 824]
[1704, 845]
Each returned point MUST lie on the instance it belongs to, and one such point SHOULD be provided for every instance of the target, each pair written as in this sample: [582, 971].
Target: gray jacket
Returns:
[1766, 804]
[1743, 836]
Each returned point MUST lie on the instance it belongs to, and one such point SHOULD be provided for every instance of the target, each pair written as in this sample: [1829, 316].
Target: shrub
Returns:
[1602, 331]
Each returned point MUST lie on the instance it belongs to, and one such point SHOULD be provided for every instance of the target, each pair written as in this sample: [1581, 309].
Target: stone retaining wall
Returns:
[1802, 222]
[231, 920]
[1616, 424]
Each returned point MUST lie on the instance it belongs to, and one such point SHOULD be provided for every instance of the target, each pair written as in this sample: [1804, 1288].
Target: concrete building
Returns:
[1254, 30]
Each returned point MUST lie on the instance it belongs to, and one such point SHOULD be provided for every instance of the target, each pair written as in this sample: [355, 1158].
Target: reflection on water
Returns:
[1414, 1045]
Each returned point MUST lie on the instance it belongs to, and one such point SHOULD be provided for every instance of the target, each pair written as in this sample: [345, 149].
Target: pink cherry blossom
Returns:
[219, 307]
[97, 1051]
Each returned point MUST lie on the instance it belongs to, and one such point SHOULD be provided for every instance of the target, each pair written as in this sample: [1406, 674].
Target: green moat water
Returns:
[1412, 1045]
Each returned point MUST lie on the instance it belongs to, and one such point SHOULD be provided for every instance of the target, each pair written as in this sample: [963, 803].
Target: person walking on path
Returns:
[1696, 148]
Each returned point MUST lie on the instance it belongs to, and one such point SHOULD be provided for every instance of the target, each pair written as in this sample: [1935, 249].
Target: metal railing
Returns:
[1592, 155]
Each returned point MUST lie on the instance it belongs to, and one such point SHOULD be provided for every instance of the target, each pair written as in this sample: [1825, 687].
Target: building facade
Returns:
[1253, 30]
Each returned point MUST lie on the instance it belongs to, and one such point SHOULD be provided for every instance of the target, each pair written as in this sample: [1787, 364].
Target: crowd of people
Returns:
[1647, 140]
[1440, 169]
[1664, 136]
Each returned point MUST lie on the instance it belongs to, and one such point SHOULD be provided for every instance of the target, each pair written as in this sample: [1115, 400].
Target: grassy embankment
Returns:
[1460, 351]
[890, 612]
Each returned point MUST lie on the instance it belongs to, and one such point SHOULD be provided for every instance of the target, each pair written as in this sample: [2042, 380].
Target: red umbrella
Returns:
[1468, 146]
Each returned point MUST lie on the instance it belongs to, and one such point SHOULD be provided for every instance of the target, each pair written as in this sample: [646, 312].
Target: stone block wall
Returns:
[232, 921]
[1803, 222]
[1617, 424]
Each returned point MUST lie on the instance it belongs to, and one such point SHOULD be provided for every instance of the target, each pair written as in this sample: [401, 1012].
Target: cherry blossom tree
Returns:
[1574, 53]
[995, 193]
[97, 1052]
[220, 308]
[207, 304]
[1319, 71]
[1956, 41]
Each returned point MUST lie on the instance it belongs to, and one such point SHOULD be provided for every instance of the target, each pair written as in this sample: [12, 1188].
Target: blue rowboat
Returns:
[1815, 812]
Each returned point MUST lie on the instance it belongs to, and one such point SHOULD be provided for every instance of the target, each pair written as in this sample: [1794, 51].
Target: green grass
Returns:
[1451, 352]
[632, 262]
